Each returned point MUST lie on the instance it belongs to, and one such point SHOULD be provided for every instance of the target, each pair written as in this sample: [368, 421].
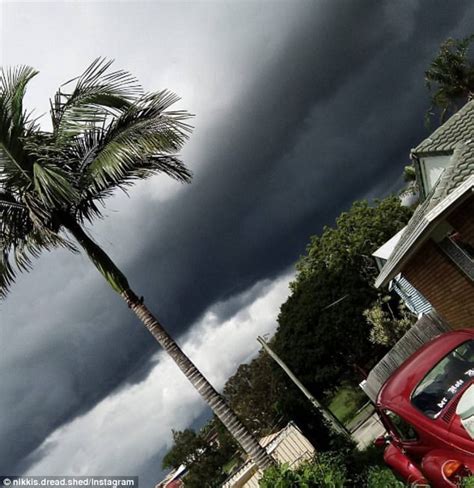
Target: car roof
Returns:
[397, 390]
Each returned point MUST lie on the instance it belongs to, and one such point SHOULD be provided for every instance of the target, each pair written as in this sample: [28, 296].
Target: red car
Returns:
[427, 407]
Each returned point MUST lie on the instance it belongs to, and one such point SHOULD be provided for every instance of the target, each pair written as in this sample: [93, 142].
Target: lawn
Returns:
[345, 403]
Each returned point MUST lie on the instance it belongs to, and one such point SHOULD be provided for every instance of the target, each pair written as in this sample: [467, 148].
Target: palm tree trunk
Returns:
[217, 403]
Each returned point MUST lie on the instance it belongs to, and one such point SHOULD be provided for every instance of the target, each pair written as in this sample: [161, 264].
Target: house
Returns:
[435, 252]
[288, 445]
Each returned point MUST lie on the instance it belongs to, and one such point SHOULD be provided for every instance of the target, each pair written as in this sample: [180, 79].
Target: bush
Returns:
[281, 476]
[327, 470]
[468, 482]
[378, 477]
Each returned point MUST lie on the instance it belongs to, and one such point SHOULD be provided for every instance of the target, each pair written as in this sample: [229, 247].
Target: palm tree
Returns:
[106, 134]
[451, 75]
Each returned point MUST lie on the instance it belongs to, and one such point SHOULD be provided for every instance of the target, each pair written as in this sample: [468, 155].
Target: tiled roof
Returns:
[460, 169]
[458, 128]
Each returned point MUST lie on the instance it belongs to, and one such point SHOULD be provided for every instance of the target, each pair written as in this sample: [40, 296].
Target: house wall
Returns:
[445, 286]
[463, 220]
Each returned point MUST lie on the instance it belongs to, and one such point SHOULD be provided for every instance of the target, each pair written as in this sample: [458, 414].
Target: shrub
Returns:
[327, 470]
[378, 477]
[468, 482]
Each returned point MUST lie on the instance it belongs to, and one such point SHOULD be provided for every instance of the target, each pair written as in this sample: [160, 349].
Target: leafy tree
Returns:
[106, 134]
[388, 327]
[451, 76]
[204, 454]
[322, 332]
[187, 448]
[254, 392]
[265, 400]
[357, 233]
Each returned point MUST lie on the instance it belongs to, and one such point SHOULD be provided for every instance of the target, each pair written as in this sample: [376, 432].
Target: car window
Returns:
[402, 428]
[443, 381]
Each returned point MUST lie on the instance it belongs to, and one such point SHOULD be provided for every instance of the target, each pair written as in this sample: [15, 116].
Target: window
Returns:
[443, 381]
[403, 429]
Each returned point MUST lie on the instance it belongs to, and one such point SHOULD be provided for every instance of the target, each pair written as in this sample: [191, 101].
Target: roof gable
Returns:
[459, 175]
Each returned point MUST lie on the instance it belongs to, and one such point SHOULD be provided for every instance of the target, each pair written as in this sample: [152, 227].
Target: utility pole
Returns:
[330, 418]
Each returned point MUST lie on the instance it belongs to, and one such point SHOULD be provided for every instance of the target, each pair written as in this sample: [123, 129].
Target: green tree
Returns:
[322, 333]
[106, 134]
[187, 449]
[450, 76]
[204, 454]
[266, 400]
[386, 325]
[254, 392]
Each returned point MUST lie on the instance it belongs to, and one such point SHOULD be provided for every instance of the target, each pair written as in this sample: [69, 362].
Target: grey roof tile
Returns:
[458, 128]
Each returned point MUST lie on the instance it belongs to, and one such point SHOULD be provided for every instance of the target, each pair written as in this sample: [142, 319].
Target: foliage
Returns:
[254, 392]
[322, 334]
[204, 454]
[186, 449]
[409, 173]
[468, 482]
[327, 470]
[106, 133]
[378, 477]
[345, 468]
[357, 233]
[451, 76]
[265, 399]
[387, 327]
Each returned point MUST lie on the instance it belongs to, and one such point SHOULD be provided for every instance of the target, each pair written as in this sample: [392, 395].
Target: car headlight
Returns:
[454, 470]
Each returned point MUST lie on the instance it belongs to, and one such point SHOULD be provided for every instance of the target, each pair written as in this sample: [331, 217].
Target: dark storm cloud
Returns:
[326, 119]
[334, 115]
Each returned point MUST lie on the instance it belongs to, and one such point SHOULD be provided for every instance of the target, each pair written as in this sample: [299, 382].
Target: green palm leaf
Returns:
[15, 123]
[144, 131]
[106, 135]
[96, 95]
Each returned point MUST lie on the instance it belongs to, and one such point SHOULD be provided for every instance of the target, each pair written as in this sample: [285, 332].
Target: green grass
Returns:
[230, 465]
[346, 402]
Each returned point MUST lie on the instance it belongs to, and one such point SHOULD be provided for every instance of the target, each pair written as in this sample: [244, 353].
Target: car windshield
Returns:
[445, 380]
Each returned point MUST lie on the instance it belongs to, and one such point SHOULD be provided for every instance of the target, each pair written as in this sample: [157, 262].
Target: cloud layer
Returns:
[301, 108]
[140, 415]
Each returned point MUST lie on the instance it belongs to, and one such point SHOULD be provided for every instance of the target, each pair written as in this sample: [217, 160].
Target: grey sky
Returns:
[301, 107]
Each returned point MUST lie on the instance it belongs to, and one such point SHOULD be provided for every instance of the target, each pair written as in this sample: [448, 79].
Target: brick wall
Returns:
[462, 220]
[447, 288]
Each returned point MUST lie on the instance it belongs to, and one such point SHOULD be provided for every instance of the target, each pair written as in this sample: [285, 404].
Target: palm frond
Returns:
[106, 135]
[21, 240]
[143, 132]
[17, 257]
[53, 186]
[15, 123]
[13, 82]
[138, 144]
[13, 172]
[95, 96]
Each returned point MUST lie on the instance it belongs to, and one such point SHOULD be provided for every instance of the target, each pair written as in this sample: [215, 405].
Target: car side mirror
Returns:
[382, 440]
